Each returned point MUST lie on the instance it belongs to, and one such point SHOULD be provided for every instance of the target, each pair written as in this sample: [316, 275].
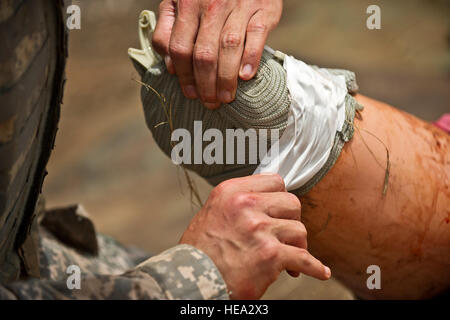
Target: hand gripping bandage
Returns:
[310, 108]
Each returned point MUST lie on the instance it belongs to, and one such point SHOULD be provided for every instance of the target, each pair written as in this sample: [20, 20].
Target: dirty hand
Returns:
[250, 227]
[208, 43]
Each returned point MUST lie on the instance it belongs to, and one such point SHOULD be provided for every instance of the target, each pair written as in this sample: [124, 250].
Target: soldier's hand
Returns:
[250, 227]
[209, 43]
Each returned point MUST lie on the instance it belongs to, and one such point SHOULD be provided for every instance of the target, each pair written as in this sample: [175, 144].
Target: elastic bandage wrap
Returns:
[312, 108]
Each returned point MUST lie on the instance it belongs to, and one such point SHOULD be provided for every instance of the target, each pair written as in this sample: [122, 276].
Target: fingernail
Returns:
[327, 272]
[225, 96]
[246, 71]
[190, 92]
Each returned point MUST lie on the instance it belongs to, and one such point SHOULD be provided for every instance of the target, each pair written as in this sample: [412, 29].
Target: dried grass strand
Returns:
[168, 112]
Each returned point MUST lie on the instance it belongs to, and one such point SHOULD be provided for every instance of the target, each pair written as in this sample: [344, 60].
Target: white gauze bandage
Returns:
[317, 112]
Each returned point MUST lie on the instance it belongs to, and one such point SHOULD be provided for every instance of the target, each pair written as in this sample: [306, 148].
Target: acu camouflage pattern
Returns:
[185, 271]
[36, 248]
[182, 272]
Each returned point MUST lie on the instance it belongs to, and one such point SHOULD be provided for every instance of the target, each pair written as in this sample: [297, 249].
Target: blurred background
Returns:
[105, 157]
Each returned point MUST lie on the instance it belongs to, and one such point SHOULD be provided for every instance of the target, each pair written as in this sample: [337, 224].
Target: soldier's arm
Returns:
[248, 231]
[182, 272]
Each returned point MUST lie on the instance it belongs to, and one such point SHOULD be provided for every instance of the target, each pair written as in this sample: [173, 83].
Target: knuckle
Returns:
[182, 4]
[295, 202]
[252, 53]
[278, 181]
[211, 6]
[205, 56]
[179, 51]
[254, 223]
[269, 251]
[220, 189]
[215, 193]
[303, 255]
[306, 262]
[257, 26]
[231, 40]
[226, 79]
[243, 200]
[302, 230]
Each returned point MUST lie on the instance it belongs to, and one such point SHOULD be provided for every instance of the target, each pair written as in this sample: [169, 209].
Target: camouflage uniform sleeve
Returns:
[182, 272]
[185, 272]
